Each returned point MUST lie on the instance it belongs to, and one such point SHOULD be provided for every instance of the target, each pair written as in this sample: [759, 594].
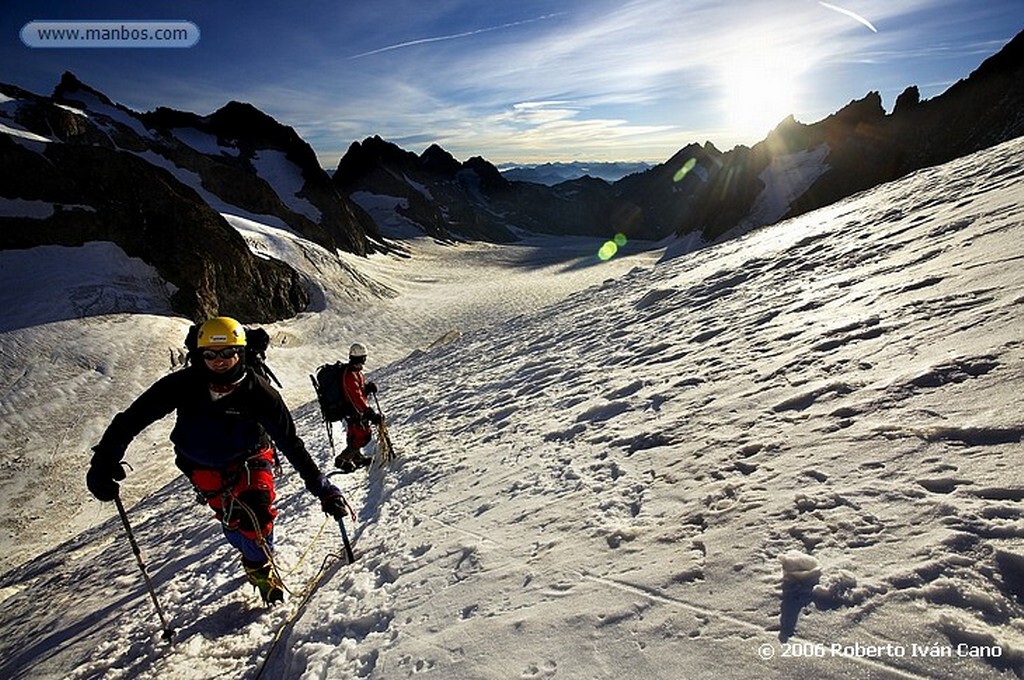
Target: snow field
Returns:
[839, 389]
[728, 465]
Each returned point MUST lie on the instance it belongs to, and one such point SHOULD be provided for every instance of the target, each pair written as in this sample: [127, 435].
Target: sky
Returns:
[526, 81]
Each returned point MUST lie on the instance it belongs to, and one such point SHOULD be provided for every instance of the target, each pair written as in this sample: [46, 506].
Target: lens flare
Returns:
[607, 251]
[610, 248]
[685, 170]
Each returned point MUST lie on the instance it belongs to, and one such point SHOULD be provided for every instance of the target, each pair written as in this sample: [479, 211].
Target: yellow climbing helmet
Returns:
[221, 331]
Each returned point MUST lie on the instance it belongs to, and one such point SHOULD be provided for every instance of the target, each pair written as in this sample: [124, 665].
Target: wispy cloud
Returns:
[849, 13]
[539, 130]
[608, 79]
[456, 36]
[613, 75]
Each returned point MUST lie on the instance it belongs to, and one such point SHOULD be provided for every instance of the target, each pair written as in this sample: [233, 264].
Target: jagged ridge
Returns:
[156, 183]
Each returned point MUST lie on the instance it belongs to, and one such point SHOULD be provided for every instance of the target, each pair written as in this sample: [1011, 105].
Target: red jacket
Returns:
[354, 384]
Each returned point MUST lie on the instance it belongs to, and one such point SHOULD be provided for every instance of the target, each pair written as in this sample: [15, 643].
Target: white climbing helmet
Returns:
[357, 353]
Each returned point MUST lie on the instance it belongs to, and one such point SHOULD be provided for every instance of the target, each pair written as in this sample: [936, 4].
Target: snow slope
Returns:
[64, 378]
[785, 179]
[796, 454]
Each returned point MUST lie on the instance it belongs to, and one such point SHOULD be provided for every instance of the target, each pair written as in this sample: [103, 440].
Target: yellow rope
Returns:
[262, 541]
[305, 552]
[268, 553]
[299, 608]
[387, 451]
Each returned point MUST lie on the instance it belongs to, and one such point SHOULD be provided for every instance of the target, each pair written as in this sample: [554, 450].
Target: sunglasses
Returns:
[226, 353]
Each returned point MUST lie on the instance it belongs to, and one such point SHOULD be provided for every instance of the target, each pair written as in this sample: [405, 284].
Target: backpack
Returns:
[331, 393]
[257, 341]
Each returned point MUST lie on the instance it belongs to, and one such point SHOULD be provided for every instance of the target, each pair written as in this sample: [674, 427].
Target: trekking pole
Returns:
[270, 374]
[323, 415]
[168, 632]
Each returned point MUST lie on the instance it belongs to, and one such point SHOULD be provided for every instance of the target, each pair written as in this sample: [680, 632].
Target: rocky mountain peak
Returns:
[242, 120]
[490, 177]
[364, 157]
[1006, 61]
[157, 184]
[907, 100]
[869, 108]
[438, 161]
[694, 151]
[70, 86]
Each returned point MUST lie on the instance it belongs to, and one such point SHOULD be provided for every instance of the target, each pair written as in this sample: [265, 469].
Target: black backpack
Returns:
[257, 341]
[331, 393]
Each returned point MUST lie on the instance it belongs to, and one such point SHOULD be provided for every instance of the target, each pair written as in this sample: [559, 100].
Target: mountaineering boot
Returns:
[265, 579]
[350, 460]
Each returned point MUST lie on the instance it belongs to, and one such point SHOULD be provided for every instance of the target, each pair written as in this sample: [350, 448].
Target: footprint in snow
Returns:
[546, 669]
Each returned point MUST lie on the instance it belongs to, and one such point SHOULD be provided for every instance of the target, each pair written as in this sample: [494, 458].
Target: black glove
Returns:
[332, 502]
[102, 480]
[371, 416]
[371, 388]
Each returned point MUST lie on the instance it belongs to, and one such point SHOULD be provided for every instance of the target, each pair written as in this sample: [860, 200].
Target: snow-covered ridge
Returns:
[23, 134]
[106, 115]
[275, 169]
[751, 461]
[785, 179]
[268, 177]
[203, 142]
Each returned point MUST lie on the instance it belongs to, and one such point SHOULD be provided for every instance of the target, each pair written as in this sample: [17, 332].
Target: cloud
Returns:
[610, 75]
[849, 13]
[456, 36]
[552, 129]
[613, 79]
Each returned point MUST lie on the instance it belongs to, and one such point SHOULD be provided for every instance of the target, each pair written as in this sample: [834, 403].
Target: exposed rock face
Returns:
[436, 192]
[663, 198]
[910, 98]
[249, 139]
[450, 200]
[114, 196]
[155, 184]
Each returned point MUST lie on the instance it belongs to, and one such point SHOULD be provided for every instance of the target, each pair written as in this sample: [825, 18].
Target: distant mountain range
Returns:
[550, 174]
[76, 167]
[701, 193]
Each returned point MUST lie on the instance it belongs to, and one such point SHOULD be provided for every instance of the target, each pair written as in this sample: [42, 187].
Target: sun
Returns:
[758, 91]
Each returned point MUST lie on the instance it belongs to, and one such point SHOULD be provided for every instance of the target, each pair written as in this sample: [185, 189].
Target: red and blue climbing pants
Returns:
[242, 497]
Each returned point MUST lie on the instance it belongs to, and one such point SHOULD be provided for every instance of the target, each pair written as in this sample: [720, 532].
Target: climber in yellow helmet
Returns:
[229, 419]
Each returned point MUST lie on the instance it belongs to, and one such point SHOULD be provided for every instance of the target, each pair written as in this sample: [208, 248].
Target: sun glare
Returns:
[759, 90]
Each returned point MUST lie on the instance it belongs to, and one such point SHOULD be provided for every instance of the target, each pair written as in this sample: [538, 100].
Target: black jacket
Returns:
[209, 433]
